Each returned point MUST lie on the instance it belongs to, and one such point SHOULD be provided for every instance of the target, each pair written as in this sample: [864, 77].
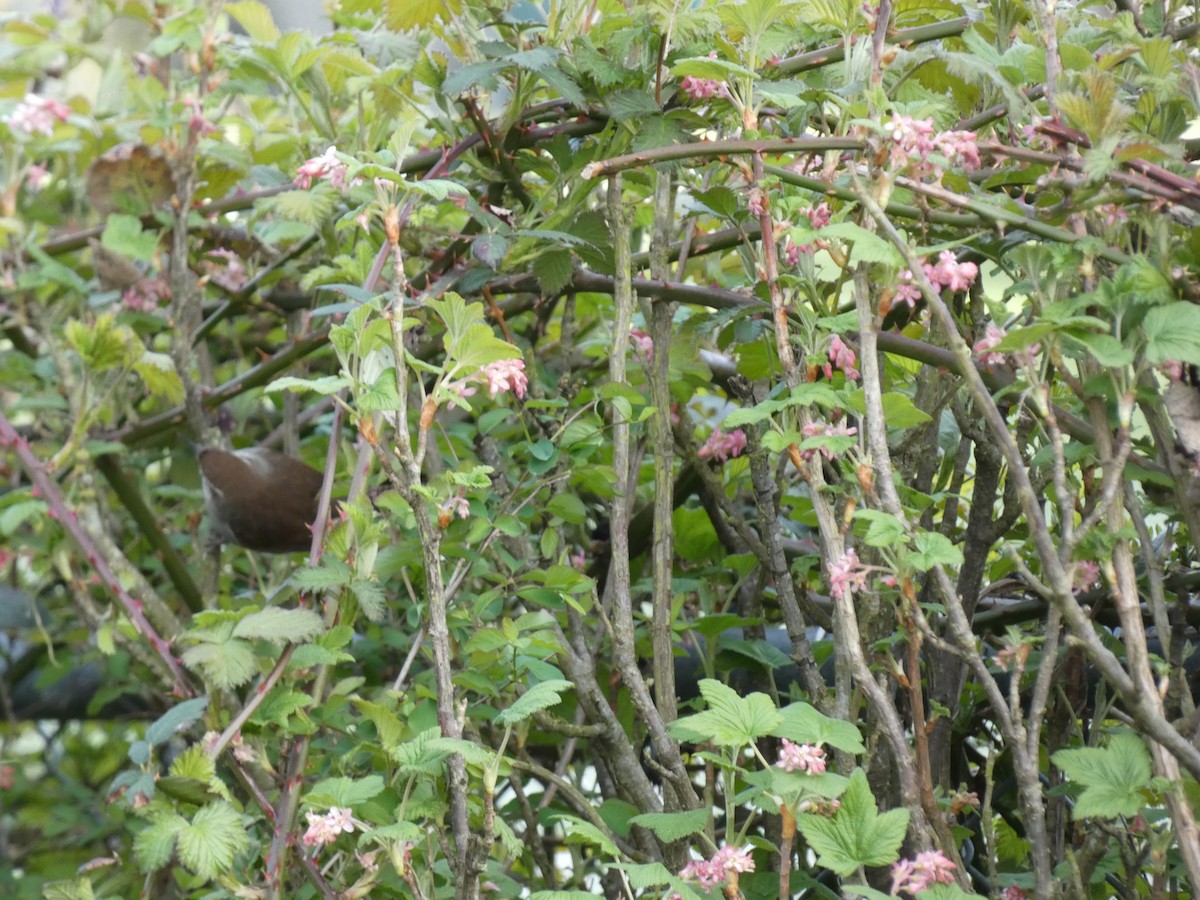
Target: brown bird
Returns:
[259, 499]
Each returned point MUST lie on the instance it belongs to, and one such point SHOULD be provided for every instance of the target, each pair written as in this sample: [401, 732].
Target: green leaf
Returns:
[343, 792]
[75, 889]
[256, 18]
[553, 270]
[1172, 332]
[674, 826]
[157, 371]
[730, 720]
[898, 410]
[538, 697]
[227, 664]
[209, 844]
[329, 384]
[1115, 778]
[387, 724]
[371, 596]
[933, 549]
[857, 834]
[866, 246]
[123, 234]
[175, 720]
[883, 529]
[280, 625]
[330, 574]
[567, 507]
[579, 831]
[816, 393]
[154, 844]
[804, 724]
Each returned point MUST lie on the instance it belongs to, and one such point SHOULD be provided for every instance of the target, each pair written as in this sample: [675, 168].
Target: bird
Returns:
[259, 499]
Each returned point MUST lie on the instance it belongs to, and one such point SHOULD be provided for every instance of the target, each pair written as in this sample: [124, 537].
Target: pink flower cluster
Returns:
[500, 376]
[989, 358]
[721, 446]
[927, 869]
[847, 575]
[456, 506]
[37, 115]
[324, 829]
[824, 429]
[947, 272]
[643, 344]
[914, 140]
[1087, 576]
[725, 862]
[703, 88]
[801, 758]
[146, 295]
[818, 217]
[326, 166]
[841, 357]
[758, 203]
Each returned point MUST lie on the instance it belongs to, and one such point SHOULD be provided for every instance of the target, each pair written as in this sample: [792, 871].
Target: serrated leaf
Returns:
[175, 720]
[387, 724]
[312, 207]
[343, 792]
[469, 76]
[553, 270]
[402, 15]
[804, 724]
[814, 393]
[673, 826]
[883, 529]
[865, 246]
[157, 371]
[256, 18]
[123, 235]
[538, 697]
[1115, 778]
[209, 844]
[933, 549]
[371, 596]
[280, 625]
[227, 665]
[730, 720]
[74, 889]
[857, 834]
[154, 844]
[1172, 332]
[330, 574]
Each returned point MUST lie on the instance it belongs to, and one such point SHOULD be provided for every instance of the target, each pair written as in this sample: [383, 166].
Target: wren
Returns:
[259, 499]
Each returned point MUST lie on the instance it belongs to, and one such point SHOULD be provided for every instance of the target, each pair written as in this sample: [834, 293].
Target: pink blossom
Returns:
[725, 862]
[801, 758]
[504, 375]
[824, 429]
[818, 216]
[1087, 575]
[914, 140]
[721, 446]
[758, 202]
[146, 295]
[324, 829]
[643, 344]
[197, 124]
[456, 506]
[927, 869]
[37, 177]
[227, 269]
[326, 166]
[703, 88]
[906, 290]
[992, 336]
[791, 252]
[847, 575]
[950, 273]
[37, 115]
[1173, 369]
[841, 357]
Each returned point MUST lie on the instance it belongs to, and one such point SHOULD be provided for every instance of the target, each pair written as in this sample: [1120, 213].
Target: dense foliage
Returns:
[766, 437]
